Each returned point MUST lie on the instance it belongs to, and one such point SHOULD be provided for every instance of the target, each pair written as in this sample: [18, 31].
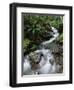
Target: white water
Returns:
[45, 67]
[54, 33]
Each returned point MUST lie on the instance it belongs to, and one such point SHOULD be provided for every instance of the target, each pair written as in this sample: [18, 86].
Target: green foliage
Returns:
[36, 24]
[26, 43]
[37, 29]
[60, 39]
[33, 47]
[57, 22]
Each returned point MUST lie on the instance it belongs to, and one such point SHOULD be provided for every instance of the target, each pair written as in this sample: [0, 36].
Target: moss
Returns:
[26, 43]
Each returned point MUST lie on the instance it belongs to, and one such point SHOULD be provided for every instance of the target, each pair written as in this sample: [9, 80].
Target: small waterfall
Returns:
[54, 34]
[46, 64]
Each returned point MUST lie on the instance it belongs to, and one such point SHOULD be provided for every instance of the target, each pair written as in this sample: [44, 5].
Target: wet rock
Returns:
[58, 56]
[47, 59]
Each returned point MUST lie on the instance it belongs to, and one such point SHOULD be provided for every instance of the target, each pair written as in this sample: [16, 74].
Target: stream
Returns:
[42, 60]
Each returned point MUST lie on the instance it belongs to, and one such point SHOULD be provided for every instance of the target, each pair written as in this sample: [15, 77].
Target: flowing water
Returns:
[43, 59]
